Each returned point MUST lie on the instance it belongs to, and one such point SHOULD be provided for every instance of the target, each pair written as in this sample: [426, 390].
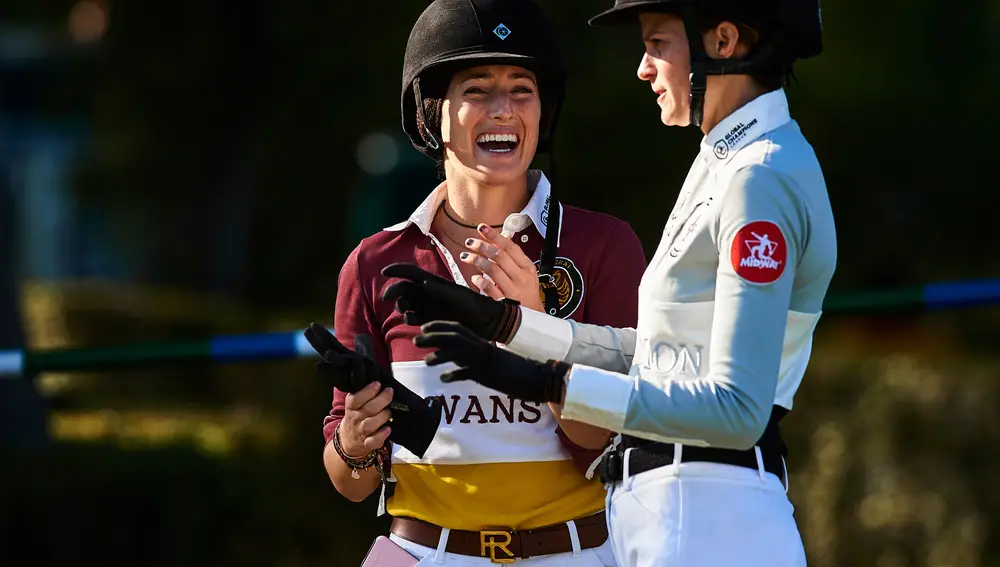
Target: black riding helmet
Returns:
[451, 35]
[789, 29]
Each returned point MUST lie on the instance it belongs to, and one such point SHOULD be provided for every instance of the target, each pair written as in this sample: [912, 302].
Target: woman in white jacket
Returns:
[727, 306]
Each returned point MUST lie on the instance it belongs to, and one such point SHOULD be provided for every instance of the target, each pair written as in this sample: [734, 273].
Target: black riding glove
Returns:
[414, 419]
[423, 297]
[491, 366]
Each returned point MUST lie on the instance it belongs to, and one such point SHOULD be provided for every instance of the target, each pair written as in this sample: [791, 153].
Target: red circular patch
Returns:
[759, 252]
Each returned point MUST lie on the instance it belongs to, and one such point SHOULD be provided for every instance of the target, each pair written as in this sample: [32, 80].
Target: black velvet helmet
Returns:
[790, 30]
[451, 35]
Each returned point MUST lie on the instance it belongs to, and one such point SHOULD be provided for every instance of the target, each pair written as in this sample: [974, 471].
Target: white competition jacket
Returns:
[728, 304]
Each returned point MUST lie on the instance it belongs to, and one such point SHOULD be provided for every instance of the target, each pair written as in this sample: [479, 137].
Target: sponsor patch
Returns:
[759, 252]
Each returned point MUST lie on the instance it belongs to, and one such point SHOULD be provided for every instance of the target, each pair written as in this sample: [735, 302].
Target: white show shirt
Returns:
[728, 304]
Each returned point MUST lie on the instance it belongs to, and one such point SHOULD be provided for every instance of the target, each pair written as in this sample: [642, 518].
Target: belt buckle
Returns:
[488, 539]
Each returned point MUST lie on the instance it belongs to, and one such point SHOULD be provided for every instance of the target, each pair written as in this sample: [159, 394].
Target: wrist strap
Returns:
[558, 370]
[509, 321]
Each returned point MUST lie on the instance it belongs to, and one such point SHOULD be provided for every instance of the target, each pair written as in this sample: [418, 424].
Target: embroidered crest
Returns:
[568, 283]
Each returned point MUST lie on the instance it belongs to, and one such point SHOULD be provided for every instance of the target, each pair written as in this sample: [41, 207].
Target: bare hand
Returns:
[367, 411]
[512, 274]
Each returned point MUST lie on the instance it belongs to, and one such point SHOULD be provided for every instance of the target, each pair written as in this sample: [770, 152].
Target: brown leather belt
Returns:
[506, 546]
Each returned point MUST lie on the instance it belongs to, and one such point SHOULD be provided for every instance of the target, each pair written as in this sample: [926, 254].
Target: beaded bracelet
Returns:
[353, 463]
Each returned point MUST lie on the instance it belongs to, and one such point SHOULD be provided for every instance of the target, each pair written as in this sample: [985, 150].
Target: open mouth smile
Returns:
[498, 143]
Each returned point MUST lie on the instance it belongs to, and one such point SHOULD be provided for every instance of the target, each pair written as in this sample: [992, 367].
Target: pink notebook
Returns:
[385, 553]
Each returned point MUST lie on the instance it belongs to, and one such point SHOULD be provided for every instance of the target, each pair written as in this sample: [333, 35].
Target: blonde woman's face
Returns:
[490, 122]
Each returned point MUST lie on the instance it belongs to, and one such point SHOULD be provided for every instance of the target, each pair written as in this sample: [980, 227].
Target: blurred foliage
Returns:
[169, 506]
[223, 168]
[887, 457]
[887, 469]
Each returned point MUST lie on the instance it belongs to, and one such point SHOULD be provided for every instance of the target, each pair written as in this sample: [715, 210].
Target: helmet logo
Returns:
[502, 31]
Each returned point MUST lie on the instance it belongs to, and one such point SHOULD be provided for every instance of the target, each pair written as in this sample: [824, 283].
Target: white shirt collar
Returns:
[763, 114]
[536, 211]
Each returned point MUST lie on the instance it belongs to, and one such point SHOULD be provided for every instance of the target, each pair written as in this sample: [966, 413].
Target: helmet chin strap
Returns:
[697, 98]
[699, 59]
[702, 65]
[419, 99]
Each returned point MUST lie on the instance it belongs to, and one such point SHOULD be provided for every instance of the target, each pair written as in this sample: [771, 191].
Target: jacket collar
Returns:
[535, 212]
[758, 117]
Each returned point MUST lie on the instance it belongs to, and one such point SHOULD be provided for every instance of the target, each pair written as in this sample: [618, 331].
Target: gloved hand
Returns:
[423, 297]
[414, 419]
[491, 366]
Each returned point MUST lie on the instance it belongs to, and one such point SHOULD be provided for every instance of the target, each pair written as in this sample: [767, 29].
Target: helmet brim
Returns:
[455, 62]
[628, 14]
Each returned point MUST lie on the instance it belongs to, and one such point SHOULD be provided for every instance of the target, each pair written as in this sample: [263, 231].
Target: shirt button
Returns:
[524, 238]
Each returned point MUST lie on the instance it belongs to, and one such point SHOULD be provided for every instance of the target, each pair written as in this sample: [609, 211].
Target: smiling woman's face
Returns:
[490, 121]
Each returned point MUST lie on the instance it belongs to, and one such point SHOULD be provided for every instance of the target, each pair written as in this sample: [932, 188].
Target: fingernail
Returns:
[464, 255]
[469, 242]
[484, 228]
[389, 390]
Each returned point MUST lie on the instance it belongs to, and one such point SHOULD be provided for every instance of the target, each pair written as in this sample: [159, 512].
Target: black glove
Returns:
[414, 419]
[423, 297]
[491, 366]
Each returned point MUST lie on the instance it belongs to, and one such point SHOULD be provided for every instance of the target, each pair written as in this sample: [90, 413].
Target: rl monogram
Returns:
[488, 540]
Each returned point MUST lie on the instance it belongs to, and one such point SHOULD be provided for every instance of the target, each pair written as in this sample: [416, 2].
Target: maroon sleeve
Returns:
[582, 457]
[614, 289]
[354, 314]
[613, 300]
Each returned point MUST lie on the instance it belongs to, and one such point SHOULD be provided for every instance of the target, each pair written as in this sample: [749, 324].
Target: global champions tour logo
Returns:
[759, 252]
[721, 149]
[733, 137]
